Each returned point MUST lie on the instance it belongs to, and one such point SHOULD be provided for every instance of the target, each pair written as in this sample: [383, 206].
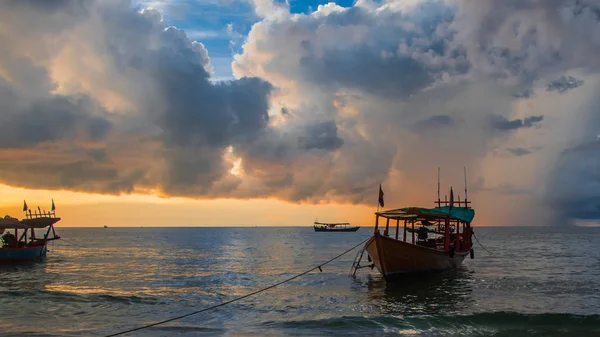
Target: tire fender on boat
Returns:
[451, 251]
[472, 253]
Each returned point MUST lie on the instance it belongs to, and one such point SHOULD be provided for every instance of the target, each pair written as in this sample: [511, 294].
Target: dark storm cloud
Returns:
[401, 54]
[45, 5]
[25, 123]
[98, 154]
[503, 124]
[525, 93]
[321, 136]
[518, 151]
[190, 130]
[434, 122]
[564, 84]
[574, 183]
[342, 68]
[169, 82]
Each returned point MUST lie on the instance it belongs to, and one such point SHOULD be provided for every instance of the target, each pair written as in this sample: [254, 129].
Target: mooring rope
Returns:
[481, 244]
[73, 243]
[241, 297]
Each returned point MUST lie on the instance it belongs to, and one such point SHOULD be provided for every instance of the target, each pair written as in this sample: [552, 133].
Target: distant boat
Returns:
[334, 227]
[105, 226]
[22, 245]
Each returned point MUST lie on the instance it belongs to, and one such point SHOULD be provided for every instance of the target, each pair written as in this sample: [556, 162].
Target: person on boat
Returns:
[9, 240]
[422, 233]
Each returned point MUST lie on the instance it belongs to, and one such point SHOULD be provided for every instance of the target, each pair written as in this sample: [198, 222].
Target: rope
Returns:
[481, 244]
[238, 298]
[73, 243]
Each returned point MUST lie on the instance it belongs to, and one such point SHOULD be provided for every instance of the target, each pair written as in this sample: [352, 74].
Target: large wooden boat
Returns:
[334, 227]
[19, 241]
[429, 239]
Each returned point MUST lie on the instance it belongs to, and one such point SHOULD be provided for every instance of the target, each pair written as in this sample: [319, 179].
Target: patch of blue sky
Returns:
[309, 6]
[221, 25]
[214, 23]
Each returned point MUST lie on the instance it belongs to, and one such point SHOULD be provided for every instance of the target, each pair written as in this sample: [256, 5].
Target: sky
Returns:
[261, 112]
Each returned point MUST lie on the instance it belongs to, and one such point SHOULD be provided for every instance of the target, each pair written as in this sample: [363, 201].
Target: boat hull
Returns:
[17, 255]
[395, 258]
[348, 229]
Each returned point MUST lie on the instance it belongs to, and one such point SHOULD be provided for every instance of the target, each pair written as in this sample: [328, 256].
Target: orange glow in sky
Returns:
[94, 210]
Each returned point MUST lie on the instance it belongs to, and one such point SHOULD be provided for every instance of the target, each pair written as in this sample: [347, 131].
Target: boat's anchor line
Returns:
[241, 297]
[481, 244]
[72, 243]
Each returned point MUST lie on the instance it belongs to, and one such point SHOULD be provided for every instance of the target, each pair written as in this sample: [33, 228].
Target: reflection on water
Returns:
[124, 277]
[26, 276]
[443, 294]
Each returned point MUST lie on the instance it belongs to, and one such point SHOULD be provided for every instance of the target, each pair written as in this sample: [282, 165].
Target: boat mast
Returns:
[439, 201]
[466, 195]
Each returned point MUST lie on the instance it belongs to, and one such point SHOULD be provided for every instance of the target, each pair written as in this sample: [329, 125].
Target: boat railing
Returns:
[36, 215]
[458, 203]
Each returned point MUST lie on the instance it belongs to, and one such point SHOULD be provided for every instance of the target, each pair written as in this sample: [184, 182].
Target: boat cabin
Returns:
[446, 228]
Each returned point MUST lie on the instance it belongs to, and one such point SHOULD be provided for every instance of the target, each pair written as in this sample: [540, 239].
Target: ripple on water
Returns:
[537, 283]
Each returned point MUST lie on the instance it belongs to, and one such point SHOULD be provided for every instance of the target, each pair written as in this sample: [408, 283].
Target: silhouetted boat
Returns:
[22, 244]
[395, 255]
[334, 227]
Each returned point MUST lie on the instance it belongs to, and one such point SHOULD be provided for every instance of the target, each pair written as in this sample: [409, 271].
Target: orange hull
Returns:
[395, 258]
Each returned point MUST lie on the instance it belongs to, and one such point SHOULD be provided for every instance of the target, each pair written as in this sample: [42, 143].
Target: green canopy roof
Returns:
[457, 213]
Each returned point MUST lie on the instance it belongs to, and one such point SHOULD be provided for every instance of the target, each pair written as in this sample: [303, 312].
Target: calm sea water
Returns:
[537, 282]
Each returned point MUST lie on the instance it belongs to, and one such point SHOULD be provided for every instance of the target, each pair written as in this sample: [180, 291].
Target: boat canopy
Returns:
[457, 213]
[13, 223]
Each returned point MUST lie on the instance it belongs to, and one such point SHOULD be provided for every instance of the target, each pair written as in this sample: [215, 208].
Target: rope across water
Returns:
[481, 244]
[241, 297]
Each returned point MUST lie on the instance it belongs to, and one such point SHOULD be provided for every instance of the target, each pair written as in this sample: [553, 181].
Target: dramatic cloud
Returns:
[434, 122]
[504, 124]
[564, 84]
[426, 79]
[573, 183]
[518, 151]
[325, 105]
[145, 69]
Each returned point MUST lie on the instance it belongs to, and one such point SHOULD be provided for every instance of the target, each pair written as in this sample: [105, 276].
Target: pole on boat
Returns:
[439, 200]
[466, 195]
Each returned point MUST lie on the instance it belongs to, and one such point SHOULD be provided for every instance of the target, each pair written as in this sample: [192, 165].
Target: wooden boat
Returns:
[19, 241]
[439, 240]
[334, 227]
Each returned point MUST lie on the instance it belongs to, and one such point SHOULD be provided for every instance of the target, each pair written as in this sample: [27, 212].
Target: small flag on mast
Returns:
[53, 207]
[381, 203]
[25, 208]
[451, 199]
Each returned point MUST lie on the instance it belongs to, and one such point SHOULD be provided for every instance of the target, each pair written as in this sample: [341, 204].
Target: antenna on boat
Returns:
[439, 200]
[466, 196]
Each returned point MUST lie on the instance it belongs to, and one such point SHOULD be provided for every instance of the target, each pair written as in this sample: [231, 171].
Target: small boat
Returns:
[105, 226]
[19, 241]
[440, 239]
[334, 227]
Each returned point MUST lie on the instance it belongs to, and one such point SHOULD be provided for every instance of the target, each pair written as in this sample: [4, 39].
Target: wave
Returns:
[509, 324]
[58, 297]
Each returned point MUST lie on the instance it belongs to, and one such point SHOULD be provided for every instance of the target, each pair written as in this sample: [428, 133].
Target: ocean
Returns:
[537, 281]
